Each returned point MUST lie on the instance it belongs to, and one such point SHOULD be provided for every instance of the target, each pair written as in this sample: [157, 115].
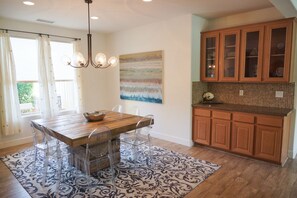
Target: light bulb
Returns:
[100, 59]
[113, 61]
[78, 59]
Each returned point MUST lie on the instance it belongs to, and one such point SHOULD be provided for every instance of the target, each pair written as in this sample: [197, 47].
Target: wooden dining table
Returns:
[74, 129]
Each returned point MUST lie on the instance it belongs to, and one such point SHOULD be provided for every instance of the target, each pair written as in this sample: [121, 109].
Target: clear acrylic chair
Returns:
[117, 108]
[138, 138]
[49, 147]
[95, 154]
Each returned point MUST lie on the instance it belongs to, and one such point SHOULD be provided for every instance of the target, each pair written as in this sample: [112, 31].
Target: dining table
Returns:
[74, 129]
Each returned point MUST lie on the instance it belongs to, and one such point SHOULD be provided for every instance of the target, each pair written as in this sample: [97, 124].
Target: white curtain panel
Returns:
[9, 101]
[78, 81]
[48, 96]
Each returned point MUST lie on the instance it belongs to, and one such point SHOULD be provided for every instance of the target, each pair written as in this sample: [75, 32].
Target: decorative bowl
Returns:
[94, 116]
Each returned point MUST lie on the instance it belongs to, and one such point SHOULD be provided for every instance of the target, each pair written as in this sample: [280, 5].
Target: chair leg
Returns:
[149, 157]
[59, 173]
[35, 160]
[45, 164]
[111, 163]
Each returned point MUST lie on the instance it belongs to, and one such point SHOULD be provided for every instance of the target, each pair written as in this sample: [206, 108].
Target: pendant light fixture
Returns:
[78, 61]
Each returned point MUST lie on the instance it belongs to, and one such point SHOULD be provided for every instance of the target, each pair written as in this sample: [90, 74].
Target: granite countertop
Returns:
[246, 108]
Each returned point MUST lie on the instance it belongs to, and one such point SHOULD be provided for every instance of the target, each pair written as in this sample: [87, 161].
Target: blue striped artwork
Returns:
[141, 77]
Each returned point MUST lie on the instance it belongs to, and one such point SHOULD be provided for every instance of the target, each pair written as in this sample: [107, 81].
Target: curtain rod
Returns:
[27, 32]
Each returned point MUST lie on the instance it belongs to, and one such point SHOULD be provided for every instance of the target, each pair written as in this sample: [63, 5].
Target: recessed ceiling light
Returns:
[29, 3]
[94, 17]
[147, 0]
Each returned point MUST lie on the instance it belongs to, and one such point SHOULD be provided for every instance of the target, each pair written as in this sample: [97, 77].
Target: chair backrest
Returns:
[94, 146]
[117, 108]
[132, 110]
[142, 127]
[49, 134]
[38, 134]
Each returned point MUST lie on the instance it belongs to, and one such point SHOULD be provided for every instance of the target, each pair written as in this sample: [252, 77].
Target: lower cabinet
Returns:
[220, 134]
[242, 138]
[201, 130]
[259, 136]
[268, 143]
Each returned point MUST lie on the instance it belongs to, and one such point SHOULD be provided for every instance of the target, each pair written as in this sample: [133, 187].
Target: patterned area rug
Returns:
[171, 175]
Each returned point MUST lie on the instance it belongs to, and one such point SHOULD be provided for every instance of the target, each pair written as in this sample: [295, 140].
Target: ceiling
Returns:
[116, 15]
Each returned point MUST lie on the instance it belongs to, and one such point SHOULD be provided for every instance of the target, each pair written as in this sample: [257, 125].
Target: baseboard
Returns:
[15, 142]
[177, 140]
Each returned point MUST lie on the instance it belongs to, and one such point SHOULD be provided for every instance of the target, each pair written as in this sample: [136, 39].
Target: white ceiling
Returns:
[116, 15]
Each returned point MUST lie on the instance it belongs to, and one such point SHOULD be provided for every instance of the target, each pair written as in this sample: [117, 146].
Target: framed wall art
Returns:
[141, 76]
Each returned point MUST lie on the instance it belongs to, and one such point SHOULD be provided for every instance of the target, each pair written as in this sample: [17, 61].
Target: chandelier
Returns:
[78, 61]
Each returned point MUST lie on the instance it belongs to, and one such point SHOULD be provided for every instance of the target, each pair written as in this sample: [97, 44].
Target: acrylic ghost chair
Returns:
[139, 137]
[95, 153]
[117, 108]
[44, 141]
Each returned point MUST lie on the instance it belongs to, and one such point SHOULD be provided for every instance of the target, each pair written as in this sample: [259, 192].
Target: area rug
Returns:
[170, 174]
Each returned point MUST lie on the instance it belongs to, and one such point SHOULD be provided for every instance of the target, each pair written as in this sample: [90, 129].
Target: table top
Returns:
[74, 129]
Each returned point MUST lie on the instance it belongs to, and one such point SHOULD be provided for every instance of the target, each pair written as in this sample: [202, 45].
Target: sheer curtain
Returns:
[78, 81]
[48, 96]
[10, 118]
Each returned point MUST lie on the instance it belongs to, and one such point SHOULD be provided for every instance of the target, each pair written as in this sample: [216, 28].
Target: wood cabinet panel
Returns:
[268, 143]
[243, 117]
[242, 138]
[202, 112]
[221, 115]
[220, 134]
[270, 120]
[201, 130]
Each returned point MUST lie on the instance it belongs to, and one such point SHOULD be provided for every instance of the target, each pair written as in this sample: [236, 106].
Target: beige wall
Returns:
[174, 37]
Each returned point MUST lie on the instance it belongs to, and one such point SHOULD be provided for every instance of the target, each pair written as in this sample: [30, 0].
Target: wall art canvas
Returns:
[141, 77]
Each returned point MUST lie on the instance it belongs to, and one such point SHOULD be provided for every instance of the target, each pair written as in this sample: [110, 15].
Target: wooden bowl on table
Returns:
[94, 116]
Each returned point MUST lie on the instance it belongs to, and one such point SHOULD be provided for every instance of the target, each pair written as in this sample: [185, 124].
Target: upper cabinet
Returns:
[251, 53]
[209, 57]
[229, 55]
[251, 61]
[277, 53]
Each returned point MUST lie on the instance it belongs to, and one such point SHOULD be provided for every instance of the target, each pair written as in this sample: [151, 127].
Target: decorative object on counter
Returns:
[94, 116]
[207, 96]
[141, 77]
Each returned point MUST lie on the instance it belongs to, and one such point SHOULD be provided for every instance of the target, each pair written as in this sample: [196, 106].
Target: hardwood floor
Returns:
[238, 176]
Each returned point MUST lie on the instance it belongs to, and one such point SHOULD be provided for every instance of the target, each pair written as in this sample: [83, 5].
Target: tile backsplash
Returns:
[258, 94]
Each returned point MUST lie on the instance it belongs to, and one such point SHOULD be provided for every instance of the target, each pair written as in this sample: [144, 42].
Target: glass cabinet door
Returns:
[278, 52]
[251, 54]
[229, 55]
[209, 57]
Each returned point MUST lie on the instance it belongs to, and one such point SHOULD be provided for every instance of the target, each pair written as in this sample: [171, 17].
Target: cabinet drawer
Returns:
[202, 112]
[243, 117]
[270, 121]
[221, 115]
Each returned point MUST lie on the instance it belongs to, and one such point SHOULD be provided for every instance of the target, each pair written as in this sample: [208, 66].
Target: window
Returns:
[25, 53]
[25, 56]
[64, 76]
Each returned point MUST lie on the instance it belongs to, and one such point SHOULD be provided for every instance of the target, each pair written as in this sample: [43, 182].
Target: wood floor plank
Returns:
[238, 177]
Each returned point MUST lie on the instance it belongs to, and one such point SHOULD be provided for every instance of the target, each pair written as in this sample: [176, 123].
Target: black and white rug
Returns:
[171, 175]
